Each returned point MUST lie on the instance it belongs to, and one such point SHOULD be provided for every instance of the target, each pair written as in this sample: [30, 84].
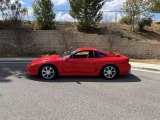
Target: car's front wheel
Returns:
[48, 72]
[110, 72]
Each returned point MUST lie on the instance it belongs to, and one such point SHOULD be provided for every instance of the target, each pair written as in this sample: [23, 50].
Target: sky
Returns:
[61, 8]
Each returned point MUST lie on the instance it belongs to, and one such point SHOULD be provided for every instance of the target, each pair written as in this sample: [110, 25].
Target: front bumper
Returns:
[30, 70]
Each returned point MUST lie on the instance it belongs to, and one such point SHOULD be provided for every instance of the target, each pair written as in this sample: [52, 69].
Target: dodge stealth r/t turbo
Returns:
[80, 62]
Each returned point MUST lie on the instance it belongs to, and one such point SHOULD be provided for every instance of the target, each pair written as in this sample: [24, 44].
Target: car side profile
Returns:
[80, 62]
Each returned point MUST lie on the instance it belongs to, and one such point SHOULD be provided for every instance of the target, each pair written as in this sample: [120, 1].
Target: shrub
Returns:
[49, 53]
[126, 20]
[4, 25]
[158, 22]
[144, 22]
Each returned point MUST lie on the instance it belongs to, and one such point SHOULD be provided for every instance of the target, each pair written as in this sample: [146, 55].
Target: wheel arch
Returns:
[49, 65]
[109, 65]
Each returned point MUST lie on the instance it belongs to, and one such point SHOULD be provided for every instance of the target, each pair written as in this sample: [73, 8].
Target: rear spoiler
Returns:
[117, 54]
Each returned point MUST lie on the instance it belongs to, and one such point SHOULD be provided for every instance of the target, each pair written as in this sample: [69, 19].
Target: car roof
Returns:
[91, 49]
[86, 48]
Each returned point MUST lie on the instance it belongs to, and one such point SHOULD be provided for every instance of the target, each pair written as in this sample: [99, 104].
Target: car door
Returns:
[80, 62]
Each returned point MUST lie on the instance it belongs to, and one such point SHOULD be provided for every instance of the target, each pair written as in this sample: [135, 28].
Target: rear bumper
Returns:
[125, 69]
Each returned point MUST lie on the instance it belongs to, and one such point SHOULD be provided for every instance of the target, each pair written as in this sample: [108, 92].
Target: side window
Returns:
[83, 54]
[99, 54]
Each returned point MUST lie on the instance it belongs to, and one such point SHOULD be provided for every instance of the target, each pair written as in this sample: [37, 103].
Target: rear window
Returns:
[99, 54]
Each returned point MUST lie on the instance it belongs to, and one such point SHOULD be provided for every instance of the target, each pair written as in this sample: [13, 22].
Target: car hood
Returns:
[46, 58]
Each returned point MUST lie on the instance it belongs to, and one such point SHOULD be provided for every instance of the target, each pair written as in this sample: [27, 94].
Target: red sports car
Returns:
[80, 62]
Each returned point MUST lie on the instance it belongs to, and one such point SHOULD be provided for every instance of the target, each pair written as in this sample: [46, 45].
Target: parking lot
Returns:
[132, 97]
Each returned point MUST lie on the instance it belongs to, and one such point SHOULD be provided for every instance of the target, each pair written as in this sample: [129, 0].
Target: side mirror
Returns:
[67, 59]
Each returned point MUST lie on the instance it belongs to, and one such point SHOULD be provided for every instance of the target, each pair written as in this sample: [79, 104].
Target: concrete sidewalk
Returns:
[135, 65]
[144, 66]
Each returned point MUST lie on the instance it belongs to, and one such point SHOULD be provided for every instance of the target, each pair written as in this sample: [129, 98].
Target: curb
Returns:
[16, 59]
[149, 69]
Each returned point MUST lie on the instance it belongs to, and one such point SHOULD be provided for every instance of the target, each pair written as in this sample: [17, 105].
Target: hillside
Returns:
[151, 33]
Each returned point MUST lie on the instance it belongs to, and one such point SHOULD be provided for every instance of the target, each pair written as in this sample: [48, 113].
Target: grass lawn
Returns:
[150, 61]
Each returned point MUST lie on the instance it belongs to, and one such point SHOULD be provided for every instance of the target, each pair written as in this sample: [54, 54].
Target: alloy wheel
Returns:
[110, 72]
[48, 72]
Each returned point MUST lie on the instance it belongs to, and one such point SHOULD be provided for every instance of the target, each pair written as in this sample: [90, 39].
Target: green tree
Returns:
[44, 15]
[87, 12]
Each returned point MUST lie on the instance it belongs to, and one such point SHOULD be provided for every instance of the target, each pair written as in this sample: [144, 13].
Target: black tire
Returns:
[110, 72]
[48, 72]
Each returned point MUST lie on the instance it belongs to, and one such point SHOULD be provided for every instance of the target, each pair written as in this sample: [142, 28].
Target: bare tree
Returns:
[14, 13]
[66, 40]
[135, 9]
[109, 37]
[22, 39]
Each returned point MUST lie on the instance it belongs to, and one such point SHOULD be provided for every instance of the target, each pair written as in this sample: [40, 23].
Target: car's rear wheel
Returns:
[110, 72]
[48, 72]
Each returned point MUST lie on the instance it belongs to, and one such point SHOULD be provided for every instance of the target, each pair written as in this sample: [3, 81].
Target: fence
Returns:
[108, 16]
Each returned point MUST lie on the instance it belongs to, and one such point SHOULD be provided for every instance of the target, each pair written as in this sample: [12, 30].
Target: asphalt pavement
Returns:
[132, 97]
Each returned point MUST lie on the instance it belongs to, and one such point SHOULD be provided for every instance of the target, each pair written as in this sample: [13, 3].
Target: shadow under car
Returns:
[125, 78]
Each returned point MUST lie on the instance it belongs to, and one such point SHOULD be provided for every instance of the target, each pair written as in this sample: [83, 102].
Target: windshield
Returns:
[67, 53]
